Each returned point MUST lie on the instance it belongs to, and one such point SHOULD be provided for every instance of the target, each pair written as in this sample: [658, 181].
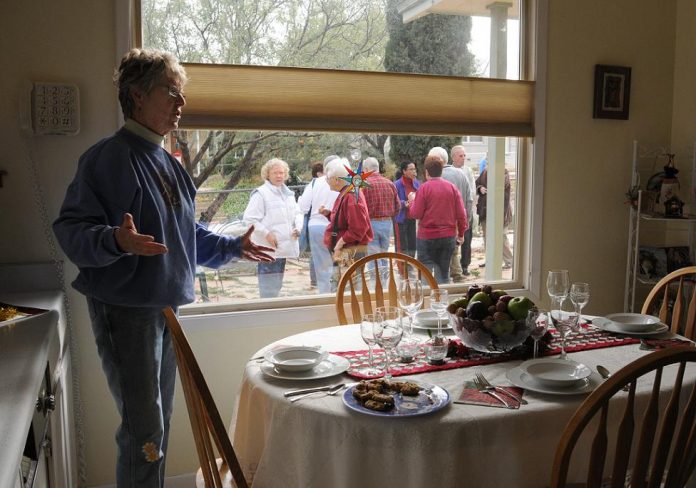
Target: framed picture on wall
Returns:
[612, 90]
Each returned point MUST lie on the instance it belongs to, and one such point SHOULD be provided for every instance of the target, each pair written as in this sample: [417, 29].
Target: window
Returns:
[260, 80]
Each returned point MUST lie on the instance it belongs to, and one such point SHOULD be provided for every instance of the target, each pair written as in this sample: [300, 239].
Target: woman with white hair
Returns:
[278, 221]
[349, 228]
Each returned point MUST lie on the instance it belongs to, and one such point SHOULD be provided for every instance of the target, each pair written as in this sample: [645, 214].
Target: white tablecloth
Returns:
[320, 443]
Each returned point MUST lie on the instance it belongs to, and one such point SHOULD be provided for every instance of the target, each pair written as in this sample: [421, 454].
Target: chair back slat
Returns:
[660, 298]
[677, 307]
[647, 432]
[379, 292]
[599, 452]
[690, 316]
[666, 431]
[206, 422]
[665, 454]
[392, 286]
[680, 464]
[398, 266]
[624, 439]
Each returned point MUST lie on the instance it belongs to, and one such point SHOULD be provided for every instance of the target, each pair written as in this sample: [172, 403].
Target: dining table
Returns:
[320, 441]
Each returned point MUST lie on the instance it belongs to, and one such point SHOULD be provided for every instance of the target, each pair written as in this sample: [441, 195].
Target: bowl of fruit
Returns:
[492, 321]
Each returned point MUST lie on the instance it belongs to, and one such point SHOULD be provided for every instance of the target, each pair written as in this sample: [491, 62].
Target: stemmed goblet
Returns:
[564, 320]
[410, 299]
[557, 285]
[439, 299]
[388, 334]
[580, 296]
[538, 322]
[367, 331]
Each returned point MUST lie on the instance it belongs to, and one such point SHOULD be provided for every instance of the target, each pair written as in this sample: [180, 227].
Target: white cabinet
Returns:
[657, 244]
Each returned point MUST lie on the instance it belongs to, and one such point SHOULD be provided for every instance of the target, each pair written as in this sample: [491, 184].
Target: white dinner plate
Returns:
[427, 320]
[633, 322]
[555, 372]
[610, 326]
[519, 378]
[430, 399]
[331, 366]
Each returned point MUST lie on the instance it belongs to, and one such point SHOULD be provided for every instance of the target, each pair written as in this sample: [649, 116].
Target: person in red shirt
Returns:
[383, 204]
[442, 220]
[349, 228]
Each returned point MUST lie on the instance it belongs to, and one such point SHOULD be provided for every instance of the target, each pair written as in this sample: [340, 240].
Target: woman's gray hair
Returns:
[337, 168]
[268, 165]
[140, 69]
[440, 152]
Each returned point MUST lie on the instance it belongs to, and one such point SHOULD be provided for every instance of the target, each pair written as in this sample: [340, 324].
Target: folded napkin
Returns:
[650, 344]
[472, 396]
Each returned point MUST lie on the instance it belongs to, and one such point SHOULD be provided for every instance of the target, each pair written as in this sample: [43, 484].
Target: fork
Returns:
[485, 383]
[485, 389]
[332, 392]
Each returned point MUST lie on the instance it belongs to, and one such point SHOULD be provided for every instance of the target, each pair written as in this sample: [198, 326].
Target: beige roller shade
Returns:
[257, 97]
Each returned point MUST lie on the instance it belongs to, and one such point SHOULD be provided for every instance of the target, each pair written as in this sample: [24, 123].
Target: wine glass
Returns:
[538, 321]
[439, 299]
[368, 335]
[557, 284]
[388, 334]
[580, 296]
[410, 299]
[564, 320]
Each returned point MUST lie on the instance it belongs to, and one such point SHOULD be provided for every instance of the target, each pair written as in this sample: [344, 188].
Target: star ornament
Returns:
[356, 180]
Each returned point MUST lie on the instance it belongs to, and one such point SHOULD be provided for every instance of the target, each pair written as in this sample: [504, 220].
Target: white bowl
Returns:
[295, 358]
[633, 322]
[428, 318]
[555, 372]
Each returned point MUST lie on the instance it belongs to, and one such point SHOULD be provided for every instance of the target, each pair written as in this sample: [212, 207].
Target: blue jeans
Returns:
[270, 277]
[323, 264]
[381, 231]
[138, 359]
[436, 254]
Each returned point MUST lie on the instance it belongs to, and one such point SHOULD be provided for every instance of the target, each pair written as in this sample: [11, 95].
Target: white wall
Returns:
[587, 164]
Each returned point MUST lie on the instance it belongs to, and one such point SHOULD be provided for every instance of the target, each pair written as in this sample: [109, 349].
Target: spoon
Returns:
[606, 374]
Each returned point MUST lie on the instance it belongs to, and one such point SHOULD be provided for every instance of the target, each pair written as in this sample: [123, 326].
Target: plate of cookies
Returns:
[391, 398]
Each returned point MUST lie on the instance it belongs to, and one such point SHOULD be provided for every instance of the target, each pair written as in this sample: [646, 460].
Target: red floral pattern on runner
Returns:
[575, 341]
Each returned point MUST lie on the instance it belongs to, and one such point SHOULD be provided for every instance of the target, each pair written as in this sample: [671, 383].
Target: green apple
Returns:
[482, 297]
[501, 329]
[519, 306]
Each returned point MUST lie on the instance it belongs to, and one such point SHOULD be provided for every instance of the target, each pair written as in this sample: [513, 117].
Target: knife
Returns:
[309, 390]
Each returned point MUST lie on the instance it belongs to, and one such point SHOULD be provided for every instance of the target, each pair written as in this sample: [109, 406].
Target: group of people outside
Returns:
[432, 220]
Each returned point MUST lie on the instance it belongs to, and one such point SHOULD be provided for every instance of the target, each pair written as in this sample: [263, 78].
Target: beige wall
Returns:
[587, 163]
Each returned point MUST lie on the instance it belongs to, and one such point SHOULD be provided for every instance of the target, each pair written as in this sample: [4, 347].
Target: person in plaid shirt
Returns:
[383, 204]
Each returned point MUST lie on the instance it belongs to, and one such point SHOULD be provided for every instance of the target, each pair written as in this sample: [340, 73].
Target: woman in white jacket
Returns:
[277, 221]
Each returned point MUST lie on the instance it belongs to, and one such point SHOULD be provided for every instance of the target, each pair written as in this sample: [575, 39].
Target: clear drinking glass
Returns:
[410, 299]
[558, 284]
[368, 335]
[388, 334]
[538, 328]
[580, 296]
[565, 319]
[439, 299]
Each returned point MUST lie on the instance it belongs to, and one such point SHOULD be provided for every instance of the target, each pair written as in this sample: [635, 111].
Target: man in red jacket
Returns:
[442, 220]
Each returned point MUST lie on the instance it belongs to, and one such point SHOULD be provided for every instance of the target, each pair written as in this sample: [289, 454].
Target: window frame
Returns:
[533, 32]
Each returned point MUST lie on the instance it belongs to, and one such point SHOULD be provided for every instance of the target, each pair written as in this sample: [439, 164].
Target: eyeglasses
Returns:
[174, 92]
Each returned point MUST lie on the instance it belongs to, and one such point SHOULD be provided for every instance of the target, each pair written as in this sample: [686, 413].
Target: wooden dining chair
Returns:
[672, 300]
[655, 445]
[373, 281]
[209, 432]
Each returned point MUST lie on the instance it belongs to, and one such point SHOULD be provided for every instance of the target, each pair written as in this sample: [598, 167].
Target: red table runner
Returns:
[575, 341]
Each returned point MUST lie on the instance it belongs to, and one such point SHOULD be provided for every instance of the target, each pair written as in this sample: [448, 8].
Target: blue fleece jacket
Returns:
[127, 173]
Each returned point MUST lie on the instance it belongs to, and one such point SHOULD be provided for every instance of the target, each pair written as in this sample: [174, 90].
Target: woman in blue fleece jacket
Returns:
[128, 223]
